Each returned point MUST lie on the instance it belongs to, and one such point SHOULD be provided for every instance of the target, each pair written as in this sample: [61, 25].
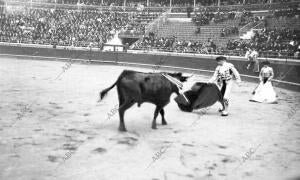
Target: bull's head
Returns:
[179, 76]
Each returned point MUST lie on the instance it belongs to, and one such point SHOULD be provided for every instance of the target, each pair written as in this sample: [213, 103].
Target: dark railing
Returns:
[129, 34]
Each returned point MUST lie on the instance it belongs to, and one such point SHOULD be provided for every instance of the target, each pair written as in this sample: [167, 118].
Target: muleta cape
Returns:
[201, 95]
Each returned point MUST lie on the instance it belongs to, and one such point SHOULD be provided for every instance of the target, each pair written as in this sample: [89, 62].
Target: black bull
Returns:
[137, 87]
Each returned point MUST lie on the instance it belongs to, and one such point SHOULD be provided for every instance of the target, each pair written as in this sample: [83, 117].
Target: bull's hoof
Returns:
[122, 129]
[164, 123]
[154, 127]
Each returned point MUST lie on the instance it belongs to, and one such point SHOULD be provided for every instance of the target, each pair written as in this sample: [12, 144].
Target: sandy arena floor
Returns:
[54, 129]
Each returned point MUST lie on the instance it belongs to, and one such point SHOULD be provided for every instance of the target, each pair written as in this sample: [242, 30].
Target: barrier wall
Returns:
[286, 72]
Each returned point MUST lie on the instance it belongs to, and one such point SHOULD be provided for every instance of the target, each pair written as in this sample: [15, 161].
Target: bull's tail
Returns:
[105, 91]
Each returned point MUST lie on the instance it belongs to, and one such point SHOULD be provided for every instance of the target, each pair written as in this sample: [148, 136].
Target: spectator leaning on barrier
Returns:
[252, 56]
[248, 57]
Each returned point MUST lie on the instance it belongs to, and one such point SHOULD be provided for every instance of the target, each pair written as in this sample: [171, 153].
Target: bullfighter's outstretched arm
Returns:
[236, 74]
[214, 77]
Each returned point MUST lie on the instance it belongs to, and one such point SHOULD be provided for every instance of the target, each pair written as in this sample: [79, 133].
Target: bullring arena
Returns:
[63, 115]
[52, 126]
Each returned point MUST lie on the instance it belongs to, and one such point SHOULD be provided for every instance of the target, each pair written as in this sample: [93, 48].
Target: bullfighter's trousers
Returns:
[226, 87]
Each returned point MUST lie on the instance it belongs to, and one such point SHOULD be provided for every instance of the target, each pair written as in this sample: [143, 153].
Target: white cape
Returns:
[265, 93]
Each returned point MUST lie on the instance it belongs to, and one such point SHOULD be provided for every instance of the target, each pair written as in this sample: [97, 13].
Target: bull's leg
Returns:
[157, 110]
[121, 96]
[139, 93]
[122, 108]
[163, 120]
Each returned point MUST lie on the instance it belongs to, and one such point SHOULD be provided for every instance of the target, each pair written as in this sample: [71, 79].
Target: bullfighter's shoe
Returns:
[224, 113]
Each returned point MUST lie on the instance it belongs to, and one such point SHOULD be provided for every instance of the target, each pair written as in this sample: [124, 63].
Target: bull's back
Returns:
[153, 87]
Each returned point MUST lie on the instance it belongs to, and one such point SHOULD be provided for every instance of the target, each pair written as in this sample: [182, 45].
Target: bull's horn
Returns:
[99, 99]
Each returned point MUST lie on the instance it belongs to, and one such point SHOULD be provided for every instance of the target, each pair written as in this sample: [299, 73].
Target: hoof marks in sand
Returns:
[52, 158]
[221, 147]
[86, 114]
[131, 141]
[100, 150]
[69, 147]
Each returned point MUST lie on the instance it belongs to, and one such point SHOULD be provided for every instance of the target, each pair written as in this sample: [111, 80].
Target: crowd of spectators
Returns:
[246, 17]
[152, 3]
[205, 17]
[172, 44]
[279, 42]
[273, 42]
[131, 3]
[133, 29]
[202, 18]
[238, 5]
[82, 28]
[90, 2]
[61, 27]
[246, 2]
[139, 22]
[231, 30]
[287, 13]
[175, 3]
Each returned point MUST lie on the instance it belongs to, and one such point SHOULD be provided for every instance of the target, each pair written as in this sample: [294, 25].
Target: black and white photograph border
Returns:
[166, 93]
